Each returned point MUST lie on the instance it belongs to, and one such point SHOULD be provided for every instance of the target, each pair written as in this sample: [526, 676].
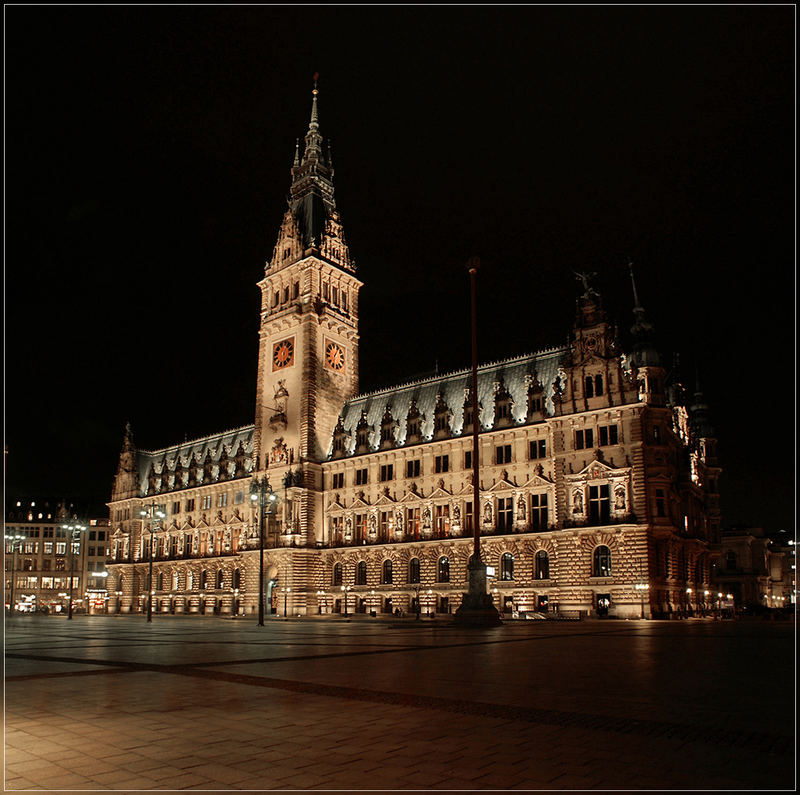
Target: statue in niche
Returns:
[577, 501]
[398, 522]
[487, 513]
[373, 525]
[195, 543]
[520, 509]
[456, 513]
[348, 528]
[426, 518]
[242, 539]
[280, 393]
[619, 498]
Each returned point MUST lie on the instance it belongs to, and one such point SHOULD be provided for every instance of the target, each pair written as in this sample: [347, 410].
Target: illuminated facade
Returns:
[38, 558]
[598, 483]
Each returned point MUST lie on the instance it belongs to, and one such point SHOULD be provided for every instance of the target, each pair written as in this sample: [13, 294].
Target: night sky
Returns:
[147, 164]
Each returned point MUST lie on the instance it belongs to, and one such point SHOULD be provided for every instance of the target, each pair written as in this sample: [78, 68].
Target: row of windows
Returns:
[33, 583]
[607, 435]
[191, 504]
[200, 582]
[441, 464]
[335, 295]
[282, 297]
[47, 532]
[601, 567]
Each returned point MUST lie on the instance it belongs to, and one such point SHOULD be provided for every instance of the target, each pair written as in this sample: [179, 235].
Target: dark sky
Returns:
[147, 163]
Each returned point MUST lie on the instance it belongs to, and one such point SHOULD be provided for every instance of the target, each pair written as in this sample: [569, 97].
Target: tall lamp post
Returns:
[261, 492]
[345, 591]
[16, 543]
[75, 531]
[285, 594]
[156, 515]
[477, 607]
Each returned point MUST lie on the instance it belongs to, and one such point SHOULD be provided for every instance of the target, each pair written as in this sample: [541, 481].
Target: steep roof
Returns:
[453, 388]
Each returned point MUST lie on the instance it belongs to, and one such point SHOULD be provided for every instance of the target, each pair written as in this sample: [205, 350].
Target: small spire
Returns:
[296, 152]
[636, 304]
[314, 123]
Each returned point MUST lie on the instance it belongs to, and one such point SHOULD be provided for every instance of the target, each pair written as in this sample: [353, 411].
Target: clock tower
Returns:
[308, 341]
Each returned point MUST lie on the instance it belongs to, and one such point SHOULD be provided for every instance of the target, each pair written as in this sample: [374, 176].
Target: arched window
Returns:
[541, 566]
[602, 562]
[361, 573]
[337, 574]
[598, 385]
[507, 566]
[219, 578]
[444, 570]
[160, 581]
[176, 581]
[189, 580]
[386, 574]
[237, 578]
[589, 386]
[203, 579]
[413, 570]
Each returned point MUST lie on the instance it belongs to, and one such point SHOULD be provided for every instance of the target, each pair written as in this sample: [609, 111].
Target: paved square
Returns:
[187, 702]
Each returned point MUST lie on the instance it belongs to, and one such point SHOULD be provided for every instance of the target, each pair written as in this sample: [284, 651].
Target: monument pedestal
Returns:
[477, 608]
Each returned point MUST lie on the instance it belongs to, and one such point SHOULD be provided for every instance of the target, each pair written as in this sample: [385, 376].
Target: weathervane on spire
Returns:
[584, 277]
[316, 77]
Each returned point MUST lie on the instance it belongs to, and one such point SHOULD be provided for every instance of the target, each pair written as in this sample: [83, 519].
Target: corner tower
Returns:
[308, 338]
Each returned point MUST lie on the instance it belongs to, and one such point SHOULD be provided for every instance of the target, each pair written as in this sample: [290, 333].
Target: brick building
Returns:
[598, 479]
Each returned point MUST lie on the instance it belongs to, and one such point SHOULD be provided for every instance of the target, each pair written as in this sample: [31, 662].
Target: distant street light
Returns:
[16, 542]
[74, 532]
[153, 513]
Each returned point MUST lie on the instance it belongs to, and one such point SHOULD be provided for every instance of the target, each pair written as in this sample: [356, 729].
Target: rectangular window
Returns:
[442, 463]
[539, 511]
[48, 547]
[505, 513]
[387, 472]
[189, 505]
[61, 564]
[442, 521]
[297, 289]
[207, 501]
[325, 292]
[222, 500]
[344, 300]
[61, 547]
[661, 503]
[47, 583]
[468, 459]
[468, 517]
[176, 507]
[92, 535]
[238, 498]
[502, 454]
[412, 522]
[361, 477]
[584, 439]
[335, 295]
[46, 564]
[338, 480]
[599, 505]
[91, 552]
[413, 468]
[538, 449]
[608, 435]
[361, 527]
[383, 528]
[101, 535]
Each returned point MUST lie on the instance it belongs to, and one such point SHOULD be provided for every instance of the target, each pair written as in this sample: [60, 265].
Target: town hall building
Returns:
[598, 475]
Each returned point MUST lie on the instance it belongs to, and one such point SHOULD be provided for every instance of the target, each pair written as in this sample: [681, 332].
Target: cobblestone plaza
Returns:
[205, 703]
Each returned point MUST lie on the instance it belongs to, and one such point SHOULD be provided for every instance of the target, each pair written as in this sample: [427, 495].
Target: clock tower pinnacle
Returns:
[308, 339]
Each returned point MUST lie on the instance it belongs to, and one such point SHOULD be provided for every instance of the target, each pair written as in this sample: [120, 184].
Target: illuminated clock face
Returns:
[334, 356]
[282, 354]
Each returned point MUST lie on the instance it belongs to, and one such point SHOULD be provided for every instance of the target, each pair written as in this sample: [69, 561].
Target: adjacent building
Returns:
[598, 474]
[40, 566]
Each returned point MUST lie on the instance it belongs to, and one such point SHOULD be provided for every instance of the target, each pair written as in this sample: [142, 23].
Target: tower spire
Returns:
[313, 150]
[644, 352]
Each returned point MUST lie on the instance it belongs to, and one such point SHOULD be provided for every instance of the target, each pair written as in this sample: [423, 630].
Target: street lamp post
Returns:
[74, 532]
[153, 513]
[285, 594]
[345, 591]
[262, 493]
[16, 542]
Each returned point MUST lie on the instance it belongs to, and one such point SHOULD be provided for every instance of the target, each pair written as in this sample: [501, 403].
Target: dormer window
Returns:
[339, 437]
[413, 424]
[387, 429]
[441, 418]
[362, 434]
[502, 405]
[594, 385]
[286, 252]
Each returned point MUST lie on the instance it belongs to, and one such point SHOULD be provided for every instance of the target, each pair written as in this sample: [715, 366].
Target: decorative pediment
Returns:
[439, 492]
[596, 470]
[538, 479]
[411, 496]
[503, 484]
[360, 501]
[385, 499]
